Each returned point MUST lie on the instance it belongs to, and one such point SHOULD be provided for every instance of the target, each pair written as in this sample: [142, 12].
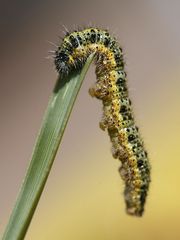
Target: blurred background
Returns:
[83, 197]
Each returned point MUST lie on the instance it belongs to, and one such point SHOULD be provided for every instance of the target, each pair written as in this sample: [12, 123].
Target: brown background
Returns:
[83, 197]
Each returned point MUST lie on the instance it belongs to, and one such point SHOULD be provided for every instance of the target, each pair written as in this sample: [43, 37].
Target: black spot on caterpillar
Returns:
[111, 88]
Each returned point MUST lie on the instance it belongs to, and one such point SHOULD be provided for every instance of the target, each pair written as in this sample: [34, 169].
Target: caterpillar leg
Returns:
[119, 152]
[99, 90]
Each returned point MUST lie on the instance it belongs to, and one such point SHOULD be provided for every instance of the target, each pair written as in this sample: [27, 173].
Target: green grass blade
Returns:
[54, 123]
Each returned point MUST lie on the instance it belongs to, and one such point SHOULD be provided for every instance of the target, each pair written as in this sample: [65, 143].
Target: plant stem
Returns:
[53, 126]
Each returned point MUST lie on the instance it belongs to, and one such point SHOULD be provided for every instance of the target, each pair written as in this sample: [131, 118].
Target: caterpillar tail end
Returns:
[132, 211]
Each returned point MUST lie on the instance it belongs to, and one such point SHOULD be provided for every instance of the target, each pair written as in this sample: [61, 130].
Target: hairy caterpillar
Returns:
[118, 119]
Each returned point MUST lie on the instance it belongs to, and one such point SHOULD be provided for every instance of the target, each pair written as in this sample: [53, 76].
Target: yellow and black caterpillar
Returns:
[118, 119]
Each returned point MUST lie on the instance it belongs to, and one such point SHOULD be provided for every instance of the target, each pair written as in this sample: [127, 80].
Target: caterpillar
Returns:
[118, 119]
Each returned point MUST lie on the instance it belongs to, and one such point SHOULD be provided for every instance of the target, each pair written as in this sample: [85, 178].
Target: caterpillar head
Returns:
[61, 61]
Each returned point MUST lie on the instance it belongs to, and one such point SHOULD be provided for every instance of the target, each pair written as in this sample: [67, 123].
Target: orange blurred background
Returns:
[83, 197]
